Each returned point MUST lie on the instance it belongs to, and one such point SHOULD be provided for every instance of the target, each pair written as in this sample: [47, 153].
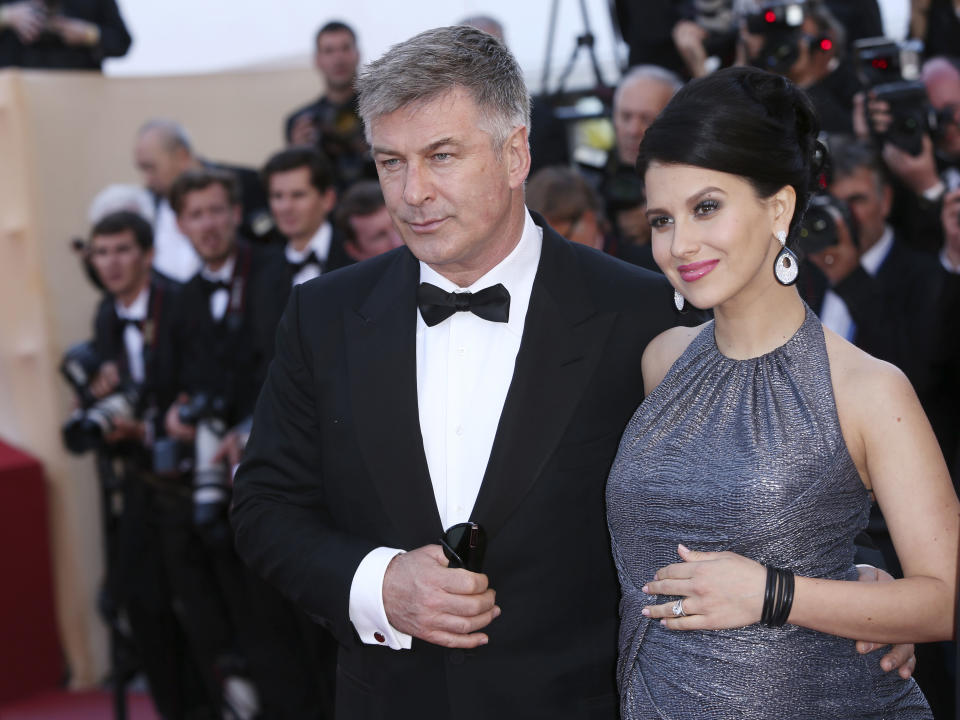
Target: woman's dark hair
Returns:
[745, 122]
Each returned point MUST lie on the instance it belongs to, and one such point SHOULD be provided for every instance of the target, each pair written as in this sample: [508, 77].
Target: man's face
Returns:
[210, 221]
[453, 200]
[298, 208]
[869, 202]
[158, 164]
[337, 58]
[943, 88]
[373, 234]
[121, 264]
[638, 103]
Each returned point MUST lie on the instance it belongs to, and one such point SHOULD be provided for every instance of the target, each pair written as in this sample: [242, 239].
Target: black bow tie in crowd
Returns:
[436, 305]
[211, 286]
[126, 322]
[310, 259]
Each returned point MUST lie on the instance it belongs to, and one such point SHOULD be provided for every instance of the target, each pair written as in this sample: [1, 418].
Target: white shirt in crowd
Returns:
[173, 254]
[320, 246]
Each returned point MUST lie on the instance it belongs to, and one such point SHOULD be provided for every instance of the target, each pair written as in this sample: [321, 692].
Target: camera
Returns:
[819, 228]
[781, 25]
[211, 482]
[890, 69]
[87, 426]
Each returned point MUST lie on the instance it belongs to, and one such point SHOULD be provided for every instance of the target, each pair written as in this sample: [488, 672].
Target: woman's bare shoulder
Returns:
[662, 352]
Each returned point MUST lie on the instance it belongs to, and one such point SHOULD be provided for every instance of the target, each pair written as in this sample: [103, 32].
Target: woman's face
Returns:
[712, 236]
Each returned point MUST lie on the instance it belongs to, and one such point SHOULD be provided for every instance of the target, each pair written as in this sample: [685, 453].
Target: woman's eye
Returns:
[705, 207]
[659, 221]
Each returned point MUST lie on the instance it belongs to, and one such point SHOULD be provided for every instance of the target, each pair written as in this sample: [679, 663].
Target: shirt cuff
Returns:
[366, 602]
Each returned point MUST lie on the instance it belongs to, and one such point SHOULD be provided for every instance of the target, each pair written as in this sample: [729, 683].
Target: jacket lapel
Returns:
[562, 342]
[380, 338]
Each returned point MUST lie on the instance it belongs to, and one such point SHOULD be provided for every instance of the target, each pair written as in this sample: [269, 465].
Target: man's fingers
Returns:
[464, 625]
[463, 582]
[453, 640]
[897, 657]
[906, 670]
[470, 605]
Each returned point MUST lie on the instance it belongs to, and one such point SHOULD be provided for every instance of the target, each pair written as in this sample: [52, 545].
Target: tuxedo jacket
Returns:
[157, 389]
[335, 467]
[229, 358]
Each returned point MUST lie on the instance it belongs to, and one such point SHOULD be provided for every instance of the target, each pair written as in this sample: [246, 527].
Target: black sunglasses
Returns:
[465, 544]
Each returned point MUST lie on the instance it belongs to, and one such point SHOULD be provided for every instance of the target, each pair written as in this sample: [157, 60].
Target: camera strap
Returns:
[238, 286]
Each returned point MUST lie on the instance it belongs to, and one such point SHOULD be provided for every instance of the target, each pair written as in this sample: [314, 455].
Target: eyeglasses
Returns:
[465, 544]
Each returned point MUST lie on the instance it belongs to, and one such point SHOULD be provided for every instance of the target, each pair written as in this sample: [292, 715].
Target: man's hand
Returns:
[304, 130]
[74, 31]
[175, 428]
[918, 172]
[105, 381]
[428, 600]
[688, 38]
[900, 657]
[124, 429]
[26, 18]
[231, 448]
[837, 261]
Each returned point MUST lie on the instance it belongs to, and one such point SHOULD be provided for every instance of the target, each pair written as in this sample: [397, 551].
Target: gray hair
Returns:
[659, 74]
[436, 62]
[171, 132]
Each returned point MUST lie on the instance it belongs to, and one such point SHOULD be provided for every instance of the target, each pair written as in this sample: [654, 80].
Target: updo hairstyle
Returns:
[746, 122]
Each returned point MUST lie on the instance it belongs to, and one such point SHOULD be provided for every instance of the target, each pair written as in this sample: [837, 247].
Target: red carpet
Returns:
[65, 705]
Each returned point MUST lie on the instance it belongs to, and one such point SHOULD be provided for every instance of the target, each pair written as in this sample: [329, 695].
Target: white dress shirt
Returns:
[220, 298]
[464, 369]
[173, 253]
[132, 336]
[834, 312]
[320, 246]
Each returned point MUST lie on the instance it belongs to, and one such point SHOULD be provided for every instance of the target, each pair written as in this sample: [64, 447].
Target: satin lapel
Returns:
[380, 336]
[563, 338]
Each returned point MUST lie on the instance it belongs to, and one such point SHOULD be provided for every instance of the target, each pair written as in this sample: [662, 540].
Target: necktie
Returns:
[436, 305]
[310, 259]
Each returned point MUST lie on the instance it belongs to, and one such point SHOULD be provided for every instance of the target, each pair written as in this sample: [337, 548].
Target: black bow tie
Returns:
[436, 305]
[310, 259]
[211, 286]
[126, 322]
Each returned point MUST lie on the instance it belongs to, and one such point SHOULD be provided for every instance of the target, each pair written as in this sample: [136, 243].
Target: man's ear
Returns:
[516, 154]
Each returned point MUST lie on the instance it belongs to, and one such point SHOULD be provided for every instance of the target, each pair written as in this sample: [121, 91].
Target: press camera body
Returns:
[88, 426]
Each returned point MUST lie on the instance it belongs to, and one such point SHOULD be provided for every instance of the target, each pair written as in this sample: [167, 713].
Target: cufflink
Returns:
[379, 637]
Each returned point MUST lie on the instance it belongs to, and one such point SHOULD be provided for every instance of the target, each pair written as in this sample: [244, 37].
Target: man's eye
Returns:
[390, 162]
[659, 221]
[441, 156]
[706, 207]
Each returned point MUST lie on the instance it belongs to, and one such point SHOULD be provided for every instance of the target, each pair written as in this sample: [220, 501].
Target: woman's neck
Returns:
[750, 327]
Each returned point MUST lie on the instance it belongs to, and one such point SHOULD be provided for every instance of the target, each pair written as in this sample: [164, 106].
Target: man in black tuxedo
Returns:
[299, 183]
[483, 372]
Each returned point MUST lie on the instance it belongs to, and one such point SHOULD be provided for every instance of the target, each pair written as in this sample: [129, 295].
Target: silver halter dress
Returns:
[745, 456]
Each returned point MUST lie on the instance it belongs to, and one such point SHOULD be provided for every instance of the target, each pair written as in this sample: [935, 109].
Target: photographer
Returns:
[226, 322]
[806, 43]
[331, 123]
[131, 331]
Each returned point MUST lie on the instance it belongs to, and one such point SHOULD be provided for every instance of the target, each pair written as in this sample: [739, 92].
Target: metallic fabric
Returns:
[746, 456]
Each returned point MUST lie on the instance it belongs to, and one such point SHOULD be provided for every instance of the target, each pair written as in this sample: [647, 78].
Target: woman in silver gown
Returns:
[760, 443]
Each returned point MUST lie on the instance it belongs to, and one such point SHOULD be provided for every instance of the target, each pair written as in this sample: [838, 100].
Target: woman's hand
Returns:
[719, 590]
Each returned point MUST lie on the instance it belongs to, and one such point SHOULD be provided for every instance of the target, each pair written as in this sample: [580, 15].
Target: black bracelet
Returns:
[768, 595]
[777, 597]
[786, 603]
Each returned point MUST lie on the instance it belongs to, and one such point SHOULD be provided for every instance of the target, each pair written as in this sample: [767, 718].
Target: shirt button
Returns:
[459, 430]
[379, 637]
[461, 351]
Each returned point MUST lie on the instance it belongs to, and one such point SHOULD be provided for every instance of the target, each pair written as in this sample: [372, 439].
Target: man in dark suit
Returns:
[485, 373]
[300, 190]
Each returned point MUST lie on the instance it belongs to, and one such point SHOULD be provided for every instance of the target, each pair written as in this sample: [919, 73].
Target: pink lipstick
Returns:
[695, 271]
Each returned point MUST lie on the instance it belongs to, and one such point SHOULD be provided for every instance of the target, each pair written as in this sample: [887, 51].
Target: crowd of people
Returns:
[197, 271]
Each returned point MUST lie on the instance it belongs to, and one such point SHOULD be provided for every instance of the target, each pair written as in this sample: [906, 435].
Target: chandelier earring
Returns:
[786, 266]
